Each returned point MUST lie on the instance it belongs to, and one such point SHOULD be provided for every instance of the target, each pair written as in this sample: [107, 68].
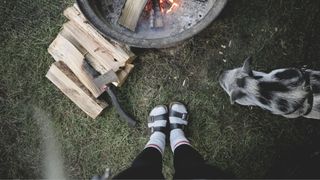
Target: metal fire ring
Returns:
[95, 17]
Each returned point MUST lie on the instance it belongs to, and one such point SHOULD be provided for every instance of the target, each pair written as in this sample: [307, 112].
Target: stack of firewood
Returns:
[82, 55]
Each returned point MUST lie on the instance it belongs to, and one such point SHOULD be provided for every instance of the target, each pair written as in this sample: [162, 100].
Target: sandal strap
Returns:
[158, 129]
[183, 116]
[176, 126]
[179, 120]
[161, 117]
[152, 119]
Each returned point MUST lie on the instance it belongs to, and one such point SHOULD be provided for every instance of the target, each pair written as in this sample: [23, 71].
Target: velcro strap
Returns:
[183, 116]
[152, 122]
[161, 129]
[176, 126]
[152, 119]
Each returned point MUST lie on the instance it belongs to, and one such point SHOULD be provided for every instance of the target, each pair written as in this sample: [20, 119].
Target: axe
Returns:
[104, 82]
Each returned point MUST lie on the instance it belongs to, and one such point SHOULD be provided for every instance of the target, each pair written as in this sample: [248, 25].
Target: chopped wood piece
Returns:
[120, 55]
[73, 41]
[125, 48]
[157, 15]
[62, 50]
[95, 64]
[151, 19]
[99, 52]
[123, 75]
[89, 58]
[60, 75]
[131, 13]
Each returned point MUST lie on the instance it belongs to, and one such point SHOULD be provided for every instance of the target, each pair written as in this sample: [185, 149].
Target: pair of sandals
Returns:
[162, 119]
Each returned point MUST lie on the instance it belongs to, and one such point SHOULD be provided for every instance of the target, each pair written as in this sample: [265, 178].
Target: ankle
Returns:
[157, 140]
[177, 138]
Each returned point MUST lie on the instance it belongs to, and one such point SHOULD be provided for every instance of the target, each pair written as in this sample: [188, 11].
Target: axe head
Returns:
[106, 78]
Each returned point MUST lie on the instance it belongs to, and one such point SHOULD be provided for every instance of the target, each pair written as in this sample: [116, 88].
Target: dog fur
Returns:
[282, 91]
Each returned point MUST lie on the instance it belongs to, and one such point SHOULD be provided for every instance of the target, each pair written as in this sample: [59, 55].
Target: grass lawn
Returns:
[249, 142]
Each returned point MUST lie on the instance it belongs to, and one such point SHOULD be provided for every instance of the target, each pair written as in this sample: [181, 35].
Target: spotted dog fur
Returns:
[282, 91]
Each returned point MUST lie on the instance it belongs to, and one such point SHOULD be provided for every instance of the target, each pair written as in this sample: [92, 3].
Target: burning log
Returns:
[154, 10]
[131, 13]
[151, 19]
[157, 15]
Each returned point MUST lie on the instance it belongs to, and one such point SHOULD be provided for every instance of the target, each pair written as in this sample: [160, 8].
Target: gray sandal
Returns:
[178, 116]
[158, 118]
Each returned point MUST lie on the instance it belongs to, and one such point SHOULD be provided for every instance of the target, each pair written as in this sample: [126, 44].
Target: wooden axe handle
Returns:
[118, 107]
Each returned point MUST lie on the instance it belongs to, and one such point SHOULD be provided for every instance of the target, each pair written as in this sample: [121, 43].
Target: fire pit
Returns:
[161, 23]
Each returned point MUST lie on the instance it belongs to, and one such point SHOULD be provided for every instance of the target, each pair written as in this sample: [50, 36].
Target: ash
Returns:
[187, 15]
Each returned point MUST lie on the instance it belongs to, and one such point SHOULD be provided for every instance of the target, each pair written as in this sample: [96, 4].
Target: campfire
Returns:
[152, 11]
[168, 6]
[164, 6]
[155, 14]
[156, 11]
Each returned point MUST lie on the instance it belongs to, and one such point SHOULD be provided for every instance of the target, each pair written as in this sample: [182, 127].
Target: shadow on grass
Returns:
[298, 160]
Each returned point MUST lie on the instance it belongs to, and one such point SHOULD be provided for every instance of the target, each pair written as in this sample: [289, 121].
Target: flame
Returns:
[173, 7]
[162, 9]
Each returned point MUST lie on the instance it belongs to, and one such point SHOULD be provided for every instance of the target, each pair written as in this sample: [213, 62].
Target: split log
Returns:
[63, 50]
[99, 52]
[120, 55]
[157, 15]
[131, 13]
[123, 75]
[88, 57]
[60, 75]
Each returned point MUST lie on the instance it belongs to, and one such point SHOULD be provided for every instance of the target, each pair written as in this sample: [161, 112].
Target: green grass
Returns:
[246, 141]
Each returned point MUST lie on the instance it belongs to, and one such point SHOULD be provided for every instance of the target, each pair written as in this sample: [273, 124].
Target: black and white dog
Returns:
[288, 92]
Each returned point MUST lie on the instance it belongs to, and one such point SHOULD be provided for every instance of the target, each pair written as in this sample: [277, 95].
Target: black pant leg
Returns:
[147, 165]
[189, 164]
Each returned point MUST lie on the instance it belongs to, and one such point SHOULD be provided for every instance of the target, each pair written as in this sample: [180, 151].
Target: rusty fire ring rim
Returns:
[164, 42]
